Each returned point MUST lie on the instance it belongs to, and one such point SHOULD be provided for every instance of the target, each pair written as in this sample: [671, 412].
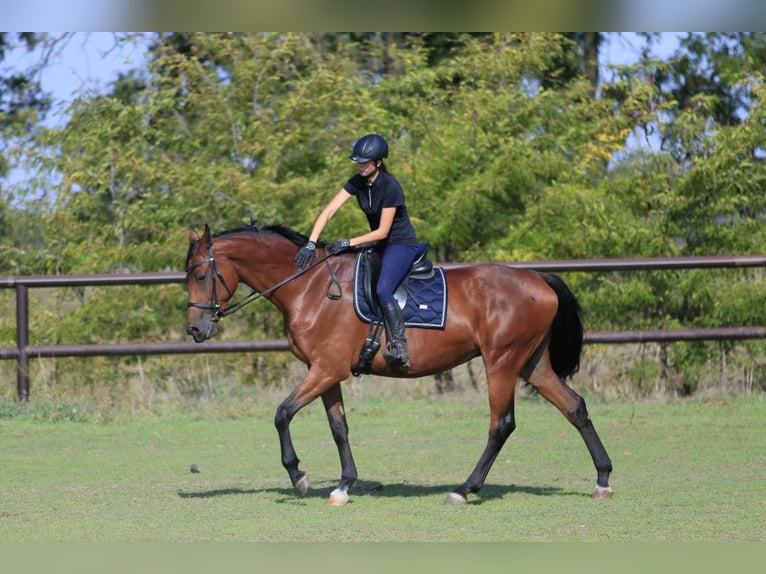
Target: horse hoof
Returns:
[601, 492]
[455, 499]
[338, 497]
[302, 486]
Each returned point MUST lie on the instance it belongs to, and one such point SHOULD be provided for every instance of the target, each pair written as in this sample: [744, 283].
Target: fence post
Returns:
[22, 342]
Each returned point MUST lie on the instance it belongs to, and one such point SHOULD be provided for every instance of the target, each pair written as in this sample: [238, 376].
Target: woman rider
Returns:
[381, 198]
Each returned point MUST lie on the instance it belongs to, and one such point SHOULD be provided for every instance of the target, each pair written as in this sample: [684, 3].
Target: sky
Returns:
[86, 62]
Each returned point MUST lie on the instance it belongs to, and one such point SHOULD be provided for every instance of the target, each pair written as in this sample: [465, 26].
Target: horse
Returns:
[524, 325]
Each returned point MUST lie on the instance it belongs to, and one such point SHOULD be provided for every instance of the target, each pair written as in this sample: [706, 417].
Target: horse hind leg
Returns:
[502, 424]
[573, 407]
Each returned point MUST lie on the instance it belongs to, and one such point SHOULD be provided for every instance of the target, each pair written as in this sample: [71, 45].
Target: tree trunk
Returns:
[591, 43]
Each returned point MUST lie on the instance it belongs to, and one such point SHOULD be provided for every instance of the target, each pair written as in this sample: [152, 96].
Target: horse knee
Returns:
[578, 414]
[283, 416]
[505, 426]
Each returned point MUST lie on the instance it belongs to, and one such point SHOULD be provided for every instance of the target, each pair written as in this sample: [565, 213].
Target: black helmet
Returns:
[368, 148]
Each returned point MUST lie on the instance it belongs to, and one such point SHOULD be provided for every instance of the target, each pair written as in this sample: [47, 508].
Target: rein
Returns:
[254, 295]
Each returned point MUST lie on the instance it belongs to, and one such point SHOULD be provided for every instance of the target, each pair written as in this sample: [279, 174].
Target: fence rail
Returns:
[23, 351]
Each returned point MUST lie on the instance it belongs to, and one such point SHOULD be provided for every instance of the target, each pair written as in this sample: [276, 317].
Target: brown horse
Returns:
[522, 323]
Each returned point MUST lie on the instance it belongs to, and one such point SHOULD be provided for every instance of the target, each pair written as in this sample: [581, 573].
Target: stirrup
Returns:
[394, 358]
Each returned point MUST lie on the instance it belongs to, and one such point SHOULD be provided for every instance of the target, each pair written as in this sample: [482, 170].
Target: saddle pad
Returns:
[427, 309]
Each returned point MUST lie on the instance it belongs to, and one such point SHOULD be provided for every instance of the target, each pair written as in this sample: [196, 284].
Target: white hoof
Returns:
[455, 499]
[338, 497]
[602, 492]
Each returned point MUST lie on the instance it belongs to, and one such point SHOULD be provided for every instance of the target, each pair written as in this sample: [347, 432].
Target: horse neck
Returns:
[261, 260]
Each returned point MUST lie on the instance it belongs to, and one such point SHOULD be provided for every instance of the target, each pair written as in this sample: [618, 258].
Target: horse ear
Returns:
[193, 236]
[206, 234]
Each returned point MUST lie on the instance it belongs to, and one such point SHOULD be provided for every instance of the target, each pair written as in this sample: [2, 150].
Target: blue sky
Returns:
[87, 62]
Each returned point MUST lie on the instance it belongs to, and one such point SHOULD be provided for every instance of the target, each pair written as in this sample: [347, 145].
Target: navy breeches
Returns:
[397, 260]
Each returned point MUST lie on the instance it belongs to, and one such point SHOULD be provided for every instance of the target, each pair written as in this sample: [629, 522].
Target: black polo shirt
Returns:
[384, 192]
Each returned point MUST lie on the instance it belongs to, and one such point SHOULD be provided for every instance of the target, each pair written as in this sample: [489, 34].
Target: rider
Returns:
[381, 198]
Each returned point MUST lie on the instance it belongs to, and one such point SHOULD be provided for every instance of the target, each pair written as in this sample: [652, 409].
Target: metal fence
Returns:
[23, 351]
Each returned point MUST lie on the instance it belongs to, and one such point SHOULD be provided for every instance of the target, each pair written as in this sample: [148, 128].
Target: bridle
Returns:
[216, 308]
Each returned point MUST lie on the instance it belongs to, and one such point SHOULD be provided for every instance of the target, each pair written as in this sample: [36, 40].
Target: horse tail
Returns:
[566, 331]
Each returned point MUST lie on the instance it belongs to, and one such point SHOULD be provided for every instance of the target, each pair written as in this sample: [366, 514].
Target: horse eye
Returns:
[201, 277]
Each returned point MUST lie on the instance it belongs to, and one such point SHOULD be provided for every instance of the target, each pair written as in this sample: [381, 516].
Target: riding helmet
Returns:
[371, 147]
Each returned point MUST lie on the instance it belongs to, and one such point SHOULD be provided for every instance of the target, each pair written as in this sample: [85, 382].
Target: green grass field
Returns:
[683, 471]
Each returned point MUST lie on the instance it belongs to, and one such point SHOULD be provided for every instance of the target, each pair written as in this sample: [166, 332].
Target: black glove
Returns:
[305, 255]
[339, 246]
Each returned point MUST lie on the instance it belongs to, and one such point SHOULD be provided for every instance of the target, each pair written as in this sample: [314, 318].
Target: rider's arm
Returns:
[331, 209]
[386, 221]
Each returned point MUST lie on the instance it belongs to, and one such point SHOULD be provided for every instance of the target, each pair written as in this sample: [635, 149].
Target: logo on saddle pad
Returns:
[423, 300]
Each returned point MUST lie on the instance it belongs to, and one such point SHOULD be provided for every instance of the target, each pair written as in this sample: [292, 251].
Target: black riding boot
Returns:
[396, 354]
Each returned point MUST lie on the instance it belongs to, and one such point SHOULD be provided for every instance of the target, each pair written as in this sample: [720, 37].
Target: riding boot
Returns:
[396, 353]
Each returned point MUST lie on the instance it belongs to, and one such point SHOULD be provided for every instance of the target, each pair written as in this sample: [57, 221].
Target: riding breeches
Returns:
[397, 260]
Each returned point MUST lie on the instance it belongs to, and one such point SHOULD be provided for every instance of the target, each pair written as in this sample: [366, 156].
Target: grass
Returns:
[684, 471]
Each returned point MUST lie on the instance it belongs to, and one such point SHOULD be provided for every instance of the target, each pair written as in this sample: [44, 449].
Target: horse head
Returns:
[208, 281]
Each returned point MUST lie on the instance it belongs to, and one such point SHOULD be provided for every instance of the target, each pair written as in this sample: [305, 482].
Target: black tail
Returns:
[567, 330]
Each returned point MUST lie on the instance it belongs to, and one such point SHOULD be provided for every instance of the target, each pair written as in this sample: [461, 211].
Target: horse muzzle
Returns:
[202, 333]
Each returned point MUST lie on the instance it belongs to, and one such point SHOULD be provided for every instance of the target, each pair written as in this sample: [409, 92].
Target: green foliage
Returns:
[504, 151]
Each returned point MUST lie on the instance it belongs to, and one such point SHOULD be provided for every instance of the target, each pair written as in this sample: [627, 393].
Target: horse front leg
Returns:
[318, 382]
[336, 416]
[285, 414]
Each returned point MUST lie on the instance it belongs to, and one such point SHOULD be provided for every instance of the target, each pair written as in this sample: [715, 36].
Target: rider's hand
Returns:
[305, 255]
[339, 246]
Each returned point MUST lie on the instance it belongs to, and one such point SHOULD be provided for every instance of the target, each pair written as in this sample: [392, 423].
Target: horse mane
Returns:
[254, 227]
[276, 227]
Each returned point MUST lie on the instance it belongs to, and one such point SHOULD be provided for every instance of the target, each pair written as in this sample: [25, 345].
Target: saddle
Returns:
[370, 262]
[421, 295]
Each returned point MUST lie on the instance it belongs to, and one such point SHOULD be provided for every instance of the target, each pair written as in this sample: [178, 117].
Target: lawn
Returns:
[685, 471]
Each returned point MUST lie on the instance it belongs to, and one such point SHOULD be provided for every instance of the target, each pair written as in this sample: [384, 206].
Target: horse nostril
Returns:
[198, 335]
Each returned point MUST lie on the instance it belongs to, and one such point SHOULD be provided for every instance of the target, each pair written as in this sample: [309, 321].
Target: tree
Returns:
[503, 147]
[22, 105]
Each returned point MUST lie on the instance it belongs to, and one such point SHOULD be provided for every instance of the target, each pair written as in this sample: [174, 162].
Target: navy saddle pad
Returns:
[423, 302]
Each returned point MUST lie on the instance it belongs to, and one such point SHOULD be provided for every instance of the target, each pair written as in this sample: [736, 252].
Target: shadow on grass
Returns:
[364, 488]
[219, 492]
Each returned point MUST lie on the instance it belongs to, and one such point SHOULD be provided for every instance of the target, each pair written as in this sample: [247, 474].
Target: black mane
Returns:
[277, 227]
[254, 227]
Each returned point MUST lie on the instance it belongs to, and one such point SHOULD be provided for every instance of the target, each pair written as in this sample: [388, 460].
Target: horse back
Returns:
[501, 286]
[500, 302]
